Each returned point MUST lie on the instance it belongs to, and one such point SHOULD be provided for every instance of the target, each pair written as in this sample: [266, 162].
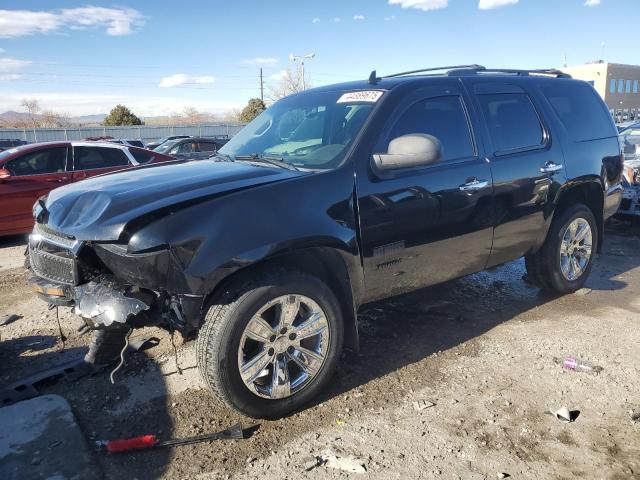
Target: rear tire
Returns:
[230, 342]
[565, 260]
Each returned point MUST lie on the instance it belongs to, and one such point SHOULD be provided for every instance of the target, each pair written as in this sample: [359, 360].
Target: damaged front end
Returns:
[109, 287]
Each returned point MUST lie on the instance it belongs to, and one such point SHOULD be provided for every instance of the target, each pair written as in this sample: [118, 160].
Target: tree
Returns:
[289, 82]
[254, 108]
[32, 106]
[121, 115]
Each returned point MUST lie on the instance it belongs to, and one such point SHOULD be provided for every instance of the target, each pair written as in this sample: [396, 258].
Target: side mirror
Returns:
[4, 174]
[413, 150]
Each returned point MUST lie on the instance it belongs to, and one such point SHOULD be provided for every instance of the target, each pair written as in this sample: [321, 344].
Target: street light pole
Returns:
[301, 59]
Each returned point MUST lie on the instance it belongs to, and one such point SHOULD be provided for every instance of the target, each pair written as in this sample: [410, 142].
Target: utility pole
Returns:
[261, 86]
[302, 58]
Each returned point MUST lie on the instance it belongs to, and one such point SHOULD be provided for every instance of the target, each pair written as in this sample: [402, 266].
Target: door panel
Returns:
[431, 224]
[33, 175]
[526, 165]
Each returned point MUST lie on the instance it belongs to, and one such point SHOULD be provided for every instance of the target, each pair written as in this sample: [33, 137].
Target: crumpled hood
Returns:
[99, 208]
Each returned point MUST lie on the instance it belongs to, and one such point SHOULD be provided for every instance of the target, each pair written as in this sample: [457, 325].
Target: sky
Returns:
[159, 56]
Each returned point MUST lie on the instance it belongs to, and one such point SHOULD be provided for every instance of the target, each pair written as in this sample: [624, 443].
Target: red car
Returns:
[30, 171]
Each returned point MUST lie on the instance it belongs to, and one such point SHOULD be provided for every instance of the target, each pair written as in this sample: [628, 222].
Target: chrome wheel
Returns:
[575, 249]
[283, 346]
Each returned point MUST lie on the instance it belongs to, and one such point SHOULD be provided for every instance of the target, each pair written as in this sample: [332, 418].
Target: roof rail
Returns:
[435, 69]
[473, 69]
[543, 71]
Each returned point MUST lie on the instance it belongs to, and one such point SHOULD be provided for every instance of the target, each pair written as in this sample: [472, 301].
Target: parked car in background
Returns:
[630, 142]
[30, 171]
[629, 128]
[152, 145]
[131, 142]
[331, 199]
[5, 144]
[192, 148]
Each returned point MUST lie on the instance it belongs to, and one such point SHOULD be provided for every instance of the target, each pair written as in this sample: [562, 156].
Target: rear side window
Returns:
[579, 110]
[142, 156]
[512, 121]
[208, 147]
[50, 160]
[88, 158]
[442, 117]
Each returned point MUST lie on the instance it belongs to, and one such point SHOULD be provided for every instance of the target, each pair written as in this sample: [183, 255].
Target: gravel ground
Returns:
[476, 354]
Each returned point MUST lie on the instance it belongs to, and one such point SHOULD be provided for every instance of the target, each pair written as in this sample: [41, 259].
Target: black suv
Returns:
[330, 199]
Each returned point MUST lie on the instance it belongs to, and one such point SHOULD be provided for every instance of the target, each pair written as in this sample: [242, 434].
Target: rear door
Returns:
[96, 160]
[33, 174]
[422, 226]
[527, 164]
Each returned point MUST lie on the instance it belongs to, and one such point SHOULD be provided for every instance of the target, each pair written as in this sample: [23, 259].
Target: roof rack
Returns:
[472, 69]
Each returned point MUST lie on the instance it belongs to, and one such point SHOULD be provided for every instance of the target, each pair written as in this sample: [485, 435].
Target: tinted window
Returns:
[142, 156]
[612, 86]
[580, 110]
[186, 147]
[87, 158]
[442, 117]
[512, 121]
[51, 160]
[208, 147]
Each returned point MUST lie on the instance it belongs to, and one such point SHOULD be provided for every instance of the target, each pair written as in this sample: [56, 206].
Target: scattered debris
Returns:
[563, 414]
[145, 442]
[582, 292]
[10, 318]
[635, 415]
[348, 463]
[502, 475]
[311, 462]
[28, 387]
[578, 365]
[422, 404]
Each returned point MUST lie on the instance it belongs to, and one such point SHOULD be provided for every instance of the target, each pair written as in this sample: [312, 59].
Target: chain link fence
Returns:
[146, 133]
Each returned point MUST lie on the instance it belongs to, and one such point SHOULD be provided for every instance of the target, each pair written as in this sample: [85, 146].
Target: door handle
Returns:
[550, 167]
[473, 184]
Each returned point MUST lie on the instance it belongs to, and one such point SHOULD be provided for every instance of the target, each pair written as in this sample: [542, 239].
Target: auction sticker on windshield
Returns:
[370, 96]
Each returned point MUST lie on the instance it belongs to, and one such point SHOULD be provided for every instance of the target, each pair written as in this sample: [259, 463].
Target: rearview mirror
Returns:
[4, 174]
[413, 150]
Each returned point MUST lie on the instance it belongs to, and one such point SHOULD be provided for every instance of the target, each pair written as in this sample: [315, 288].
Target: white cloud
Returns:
[592, 3]
[8, 77]
[337, 20]
[315, 20]
[358, 17]
[115, 21]
[281, 75]
[8, 64]
[491, 4]
[87, 104]
[425, 5]
[178, 79]
[260, 61]
[2, 50]
[390, 19]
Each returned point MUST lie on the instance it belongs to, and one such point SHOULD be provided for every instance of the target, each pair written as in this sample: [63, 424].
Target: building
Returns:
[616, 83]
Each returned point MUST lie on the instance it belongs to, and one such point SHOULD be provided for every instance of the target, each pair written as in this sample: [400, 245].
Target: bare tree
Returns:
[51, 119]
[192, 116]
[32, 106]
[290, 81]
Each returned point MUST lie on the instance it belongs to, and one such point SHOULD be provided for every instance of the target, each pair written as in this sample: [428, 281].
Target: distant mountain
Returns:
[12, 116]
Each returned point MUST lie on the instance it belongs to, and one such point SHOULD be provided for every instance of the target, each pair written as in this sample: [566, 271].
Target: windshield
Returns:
[166, 146]
[309, 130]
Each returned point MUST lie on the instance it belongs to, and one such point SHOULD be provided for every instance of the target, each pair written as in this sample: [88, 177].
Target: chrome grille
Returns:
[53, 236]
[55, 268]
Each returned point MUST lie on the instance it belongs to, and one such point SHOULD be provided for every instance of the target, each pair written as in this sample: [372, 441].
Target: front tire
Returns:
[269, 347]
[565, 260]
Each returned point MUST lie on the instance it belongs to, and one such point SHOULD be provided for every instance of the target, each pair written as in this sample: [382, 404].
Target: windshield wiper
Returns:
[277, 161]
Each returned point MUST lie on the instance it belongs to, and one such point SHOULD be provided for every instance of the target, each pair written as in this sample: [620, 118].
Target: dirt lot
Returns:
[480, 348]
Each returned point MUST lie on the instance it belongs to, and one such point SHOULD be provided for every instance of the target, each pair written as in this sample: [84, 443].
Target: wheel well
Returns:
[323, 263]
[589, 194]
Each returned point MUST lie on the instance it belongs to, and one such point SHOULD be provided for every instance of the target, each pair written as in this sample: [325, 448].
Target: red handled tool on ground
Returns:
[151, 441]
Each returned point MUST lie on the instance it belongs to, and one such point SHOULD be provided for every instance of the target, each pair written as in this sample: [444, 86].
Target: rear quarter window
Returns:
[580, 111]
